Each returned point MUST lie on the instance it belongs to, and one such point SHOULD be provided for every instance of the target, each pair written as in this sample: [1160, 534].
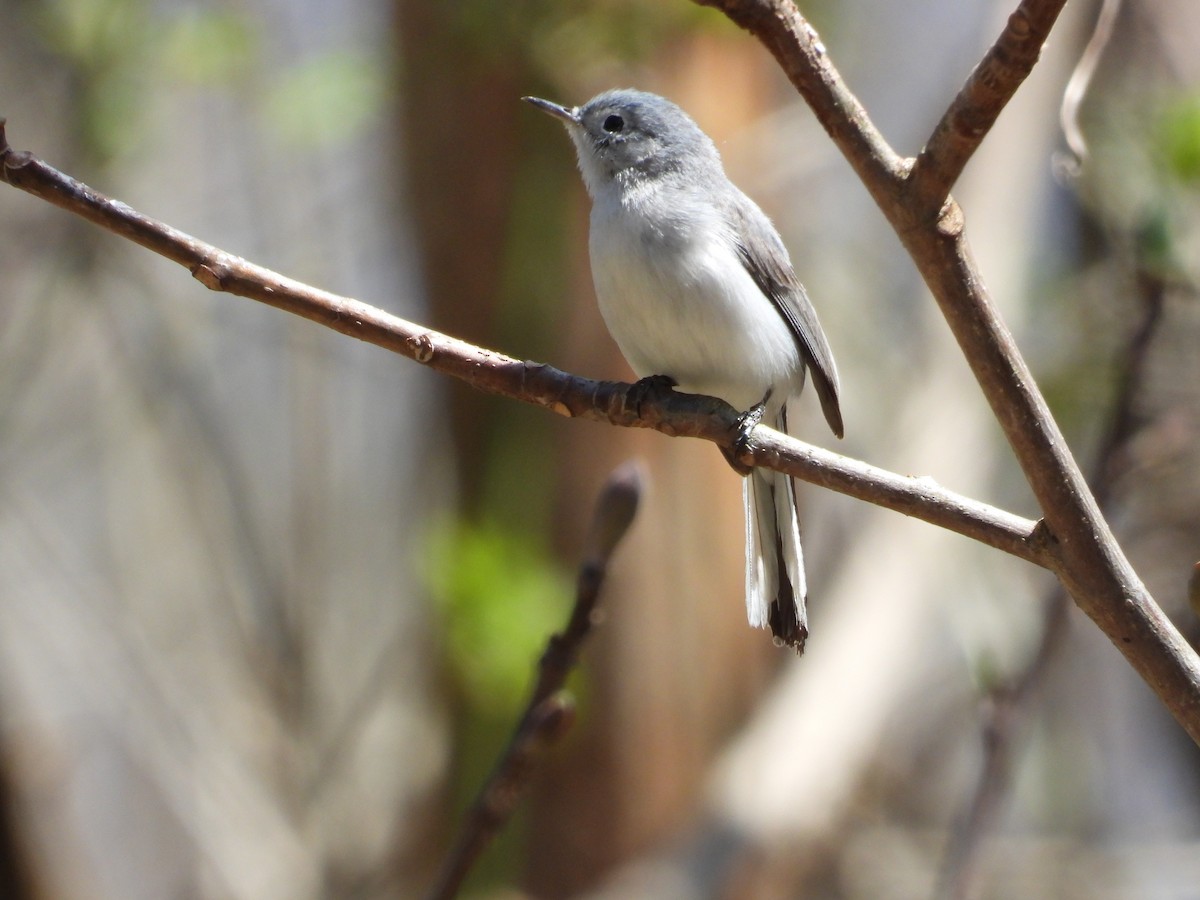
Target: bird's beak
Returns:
[567, 115]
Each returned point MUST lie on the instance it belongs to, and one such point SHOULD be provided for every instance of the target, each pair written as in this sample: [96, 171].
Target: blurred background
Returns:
[270, 600]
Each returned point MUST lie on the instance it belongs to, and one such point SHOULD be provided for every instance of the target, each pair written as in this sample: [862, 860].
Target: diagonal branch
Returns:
[1087, 559]
[1078, 85]
[801, 54]
[921, 498]
[974, 111]
[541, 385]
[548, 713]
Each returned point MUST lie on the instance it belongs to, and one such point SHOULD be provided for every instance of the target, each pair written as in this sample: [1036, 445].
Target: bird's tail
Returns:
[775, 588]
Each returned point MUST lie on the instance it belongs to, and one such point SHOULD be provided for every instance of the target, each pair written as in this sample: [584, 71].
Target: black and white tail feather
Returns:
[775, 599]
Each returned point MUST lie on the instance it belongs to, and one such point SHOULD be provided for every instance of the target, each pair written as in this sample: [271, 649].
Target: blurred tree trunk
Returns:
[461, 124]
[675, 667]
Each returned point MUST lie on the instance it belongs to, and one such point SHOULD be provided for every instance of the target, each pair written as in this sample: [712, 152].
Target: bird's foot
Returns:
[746, 424]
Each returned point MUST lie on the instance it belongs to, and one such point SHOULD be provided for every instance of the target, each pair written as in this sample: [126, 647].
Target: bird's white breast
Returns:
[678, 300]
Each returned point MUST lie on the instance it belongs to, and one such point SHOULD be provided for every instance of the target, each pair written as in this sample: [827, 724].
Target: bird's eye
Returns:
[614, 124]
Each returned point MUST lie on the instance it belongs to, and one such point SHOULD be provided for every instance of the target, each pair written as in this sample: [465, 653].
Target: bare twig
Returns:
[548, 714]
[1080, 81]
[530, 382]
[1086, 557]
[801, 54]
[921, 498]
[987, 91]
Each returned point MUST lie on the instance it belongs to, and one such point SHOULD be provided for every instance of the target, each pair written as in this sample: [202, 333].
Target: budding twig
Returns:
[549, 713]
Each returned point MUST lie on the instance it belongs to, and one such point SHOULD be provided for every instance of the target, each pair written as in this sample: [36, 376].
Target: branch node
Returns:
[551, 719]
[11, 160]
[951, 220]
[541, 383]
[615, 510]
[1018, 24]
[1042, 539]
[208, 275]
[421, 347]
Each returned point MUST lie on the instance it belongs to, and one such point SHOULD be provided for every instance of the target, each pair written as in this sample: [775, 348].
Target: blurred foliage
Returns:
[120, 51]
[111, 47]
[323, 99]
[1142, 178]
[1179, 139]
[503, 596]
[534, 278]
[210, 47]
[1154, 245]
[1167, 236]
[561, 34]
[1140, 190]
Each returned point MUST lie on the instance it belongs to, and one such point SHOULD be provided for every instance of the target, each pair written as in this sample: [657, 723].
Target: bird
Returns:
[697, 289]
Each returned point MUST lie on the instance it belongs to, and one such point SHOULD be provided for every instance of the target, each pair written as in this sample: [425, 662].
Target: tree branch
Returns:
[974, 111]
[795, 45]
[530, 382]
[548, 714]
[921, 498]
[1079, 83]
[1087, 559]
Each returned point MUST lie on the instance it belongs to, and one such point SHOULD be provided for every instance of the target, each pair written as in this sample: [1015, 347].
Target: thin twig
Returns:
[919, 497]
[548, 714]
[798, 49]
[979, 103]
[1078, 84]
[1087, 558]
[530, 382]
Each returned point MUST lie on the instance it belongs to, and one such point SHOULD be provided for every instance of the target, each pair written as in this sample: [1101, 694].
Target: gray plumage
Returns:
[695, 283]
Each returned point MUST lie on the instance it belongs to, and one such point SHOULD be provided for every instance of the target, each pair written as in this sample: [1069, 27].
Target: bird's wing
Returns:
[765, 258]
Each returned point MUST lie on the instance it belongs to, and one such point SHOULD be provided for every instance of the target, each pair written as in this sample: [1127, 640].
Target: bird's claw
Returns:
[746, 424]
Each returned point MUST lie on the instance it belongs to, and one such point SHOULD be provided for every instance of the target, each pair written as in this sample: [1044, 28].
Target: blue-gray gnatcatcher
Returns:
[695, 284]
